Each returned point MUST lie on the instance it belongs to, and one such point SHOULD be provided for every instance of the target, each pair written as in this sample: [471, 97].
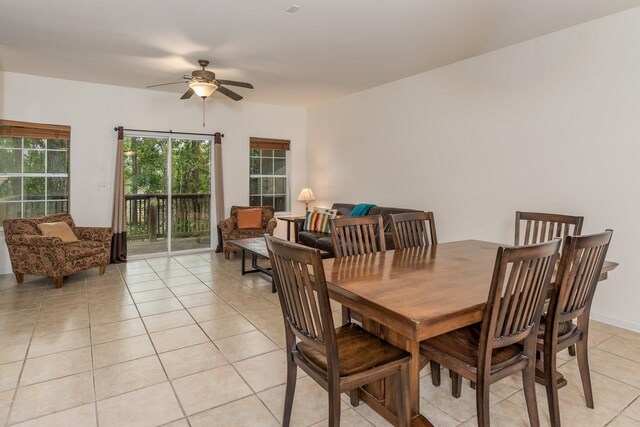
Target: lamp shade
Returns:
[203, 89]
[306, 195]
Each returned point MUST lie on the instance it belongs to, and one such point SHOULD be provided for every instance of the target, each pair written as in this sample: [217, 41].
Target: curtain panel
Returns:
[219, 185]
[119, 222]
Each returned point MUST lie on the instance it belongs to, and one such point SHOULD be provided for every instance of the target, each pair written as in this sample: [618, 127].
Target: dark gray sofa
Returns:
[323, 241]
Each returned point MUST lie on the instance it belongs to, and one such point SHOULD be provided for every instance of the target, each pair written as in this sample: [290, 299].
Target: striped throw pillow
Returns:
[317, 222]
[332, 212]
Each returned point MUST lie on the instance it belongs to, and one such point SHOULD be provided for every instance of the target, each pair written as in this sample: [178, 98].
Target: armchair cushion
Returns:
[60, 230]
[250, 218]
[82, 249]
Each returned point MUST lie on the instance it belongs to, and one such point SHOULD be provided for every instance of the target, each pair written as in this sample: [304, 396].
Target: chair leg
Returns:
[456, 384]
[482, 402]
[435, 373]
[102, 269]
[334, 404]
[585, 376]
[292, 373]
[572, 350]
[346, 315]
[472, 385]
[226, 255]
[58, 281]
[552, 388]
[19, 277]
[529, 386]
[354, 397]
[402, 391]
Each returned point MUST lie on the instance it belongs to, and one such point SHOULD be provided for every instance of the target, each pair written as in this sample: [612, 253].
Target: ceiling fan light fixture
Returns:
[203, 89]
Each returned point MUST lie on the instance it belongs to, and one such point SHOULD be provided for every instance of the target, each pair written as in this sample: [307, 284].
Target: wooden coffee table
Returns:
[257, 247]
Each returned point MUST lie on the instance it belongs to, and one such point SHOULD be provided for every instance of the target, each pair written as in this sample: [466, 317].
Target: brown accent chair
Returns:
[230, 230]
[32, 253]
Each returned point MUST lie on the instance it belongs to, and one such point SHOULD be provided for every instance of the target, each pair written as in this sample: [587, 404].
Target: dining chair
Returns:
[542, 227]
[571, 297]
[358, 235]
[504, 343]
[410, 230]
[341, 359]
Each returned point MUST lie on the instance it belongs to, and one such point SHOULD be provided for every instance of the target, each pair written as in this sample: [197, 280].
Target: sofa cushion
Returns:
[385, 212]
[320, 241]
[60, 230]
[82, 249]
[325, 243]
[309, 238]
[344, 209]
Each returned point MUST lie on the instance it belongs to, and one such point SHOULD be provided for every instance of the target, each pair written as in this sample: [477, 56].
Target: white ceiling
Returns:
[329, 48]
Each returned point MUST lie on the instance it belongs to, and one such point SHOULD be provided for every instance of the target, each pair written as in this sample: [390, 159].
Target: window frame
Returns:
[262, 144]
[25, 131]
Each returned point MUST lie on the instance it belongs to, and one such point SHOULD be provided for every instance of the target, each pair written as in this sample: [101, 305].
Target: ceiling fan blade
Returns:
[165, 84]
[231, 94]
[234, 83]
[188, 94]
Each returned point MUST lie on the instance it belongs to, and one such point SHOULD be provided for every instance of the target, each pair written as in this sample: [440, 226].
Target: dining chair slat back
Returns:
[571, 297]
[504, 343]
[542, 227]
[413, 229]
[305, 311]
[520, 282]
[357, 235]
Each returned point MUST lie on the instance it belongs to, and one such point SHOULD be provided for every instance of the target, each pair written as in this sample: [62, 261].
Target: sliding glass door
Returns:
[190, 194]
[167, 194]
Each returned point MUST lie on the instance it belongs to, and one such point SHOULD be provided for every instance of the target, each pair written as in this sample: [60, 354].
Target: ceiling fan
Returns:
[203, 83]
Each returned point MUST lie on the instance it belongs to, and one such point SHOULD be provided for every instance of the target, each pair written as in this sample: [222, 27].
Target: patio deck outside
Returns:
[148, 218]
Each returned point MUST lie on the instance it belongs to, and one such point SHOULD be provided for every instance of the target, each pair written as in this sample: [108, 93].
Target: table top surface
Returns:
[421, 292]
[257, 245]
[291, 218]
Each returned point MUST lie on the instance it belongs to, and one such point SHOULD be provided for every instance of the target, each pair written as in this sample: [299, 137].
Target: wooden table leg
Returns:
[560, 379]
[387, 406]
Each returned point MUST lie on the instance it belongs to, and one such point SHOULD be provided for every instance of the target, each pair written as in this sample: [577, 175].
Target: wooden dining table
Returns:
[406, 296]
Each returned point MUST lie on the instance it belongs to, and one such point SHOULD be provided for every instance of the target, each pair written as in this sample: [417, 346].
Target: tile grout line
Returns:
[223, 355]
[24, 362]
[175, 394]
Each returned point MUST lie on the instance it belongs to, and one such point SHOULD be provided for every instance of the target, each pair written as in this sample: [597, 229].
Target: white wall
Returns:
[550, 125]
[92, 111]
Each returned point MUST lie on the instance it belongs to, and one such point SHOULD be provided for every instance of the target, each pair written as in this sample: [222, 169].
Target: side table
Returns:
[289, 220]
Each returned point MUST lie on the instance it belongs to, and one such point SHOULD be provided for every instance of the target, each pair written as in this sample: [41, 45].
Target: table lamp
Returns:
[306, 196]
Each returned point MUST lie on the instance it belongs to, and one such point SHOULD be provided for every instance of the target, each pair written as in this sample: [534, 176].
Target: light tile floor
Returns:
[189, 341]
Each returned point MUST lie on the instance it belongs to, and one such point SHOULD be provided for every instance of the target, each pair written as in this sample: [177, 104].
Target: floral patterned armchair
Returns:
[230, 231]
[33, 253]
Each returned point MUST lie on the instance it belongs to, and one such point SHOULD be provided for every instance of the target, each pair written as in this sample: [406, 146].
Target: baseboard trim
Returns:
[625, 324]
[6, 271]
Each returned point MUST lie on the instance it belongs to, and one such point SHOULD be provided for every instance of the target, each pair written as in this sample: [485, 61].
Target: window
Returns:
[268, 173]
[34, 169]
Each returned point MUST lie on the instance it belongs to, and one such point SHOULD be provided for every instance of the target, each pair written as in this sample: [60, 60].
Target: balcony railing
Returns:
[148, 215]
